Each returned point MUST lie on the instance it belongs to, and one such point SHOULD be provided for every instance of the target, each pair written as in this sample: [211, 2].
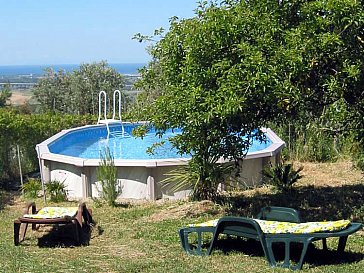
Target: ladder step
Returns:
[118, 134]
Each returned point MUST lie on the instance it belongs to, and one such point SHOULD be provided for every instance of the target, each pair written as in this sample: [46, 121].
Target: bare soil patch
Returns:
[19, 98]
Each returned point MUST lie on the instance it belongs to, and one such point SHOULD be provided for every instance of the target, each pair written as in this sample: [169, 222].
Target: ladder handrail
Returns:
[103, 93]
[100, 98]
[114, 101]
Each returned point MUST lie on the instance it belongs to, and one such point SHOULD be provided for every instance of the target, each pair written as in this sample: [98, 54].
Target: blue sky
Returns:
[82, 31]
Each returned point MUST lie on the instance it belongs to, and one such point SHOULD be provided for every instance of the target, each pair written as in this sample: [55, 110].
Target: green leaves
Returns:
[238, 65]
[77, 92]
[27, 131]
[5, 94]
[57, 191]
[31, 188]
[282, 176]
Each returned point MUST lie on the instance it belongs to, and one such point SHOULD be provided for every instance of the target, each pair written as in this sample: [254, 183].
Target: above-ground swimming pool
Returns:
[72, 157]
[89, 144]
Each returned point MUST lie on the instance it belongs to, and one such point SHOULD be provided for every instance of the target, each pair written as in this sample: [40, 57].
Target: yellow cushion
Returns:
[274, 227]
[54, 212]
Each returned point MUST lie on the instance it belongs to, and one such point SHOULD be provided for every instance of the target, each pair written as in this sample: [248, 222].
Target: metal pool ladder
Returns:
[113, 120]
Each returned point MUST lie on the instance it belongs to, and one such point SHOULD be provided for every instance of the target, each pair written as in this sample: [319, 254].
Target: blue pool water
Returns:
[89, 142]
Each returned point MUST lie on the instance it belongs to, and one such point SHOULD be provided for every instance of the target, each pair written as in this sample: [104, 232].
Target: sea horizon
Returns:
[38, 70]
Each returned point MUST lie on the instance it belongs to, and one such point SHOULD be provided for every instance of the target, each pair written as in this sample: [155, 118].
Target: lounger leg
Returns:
[16, 232]
[214, 240]
[77, 232]
[286, 263]
[87, 217]
[324, 244]
[23, 231]
[268, 247]
[342, 244]
[287, 253]
[303, 254]
[184, 233]
[182, 236]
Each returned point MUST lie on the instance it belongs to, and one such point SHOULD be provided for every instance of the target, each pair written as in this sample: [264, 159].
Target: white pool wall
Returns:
[139, 179]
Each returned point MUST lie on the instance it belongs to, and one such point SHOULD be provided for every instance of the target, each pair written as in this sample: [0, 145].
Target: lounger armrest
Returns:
[27, 208]
[85, 213]
[238, 225]
[81, 207]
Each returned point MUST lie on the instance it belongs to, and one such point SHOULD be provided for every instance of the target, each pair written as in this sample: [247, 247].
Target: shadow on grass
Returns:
[314, 204]
[314, 255]
[7, 198]
[64, 236]
[123, 205]
[100, 203]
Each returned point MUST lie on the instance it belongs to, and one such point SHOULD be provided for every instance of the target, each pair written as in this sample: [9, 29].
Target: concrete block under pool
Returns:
[138, 177]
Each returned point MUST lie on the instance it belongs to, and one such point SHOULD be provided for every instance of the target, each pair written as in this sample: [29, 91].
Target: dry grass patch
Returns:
[186, 209]
[329, 174]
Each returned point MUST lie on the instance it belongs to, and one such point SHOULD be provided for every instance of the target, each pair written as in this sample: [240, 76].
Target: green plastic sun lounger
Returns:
[266, 213]
[252, 228]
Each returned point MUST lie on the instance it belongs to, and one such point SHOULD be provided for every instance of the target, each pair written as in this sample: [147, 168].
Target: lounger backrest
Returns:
[279, 214]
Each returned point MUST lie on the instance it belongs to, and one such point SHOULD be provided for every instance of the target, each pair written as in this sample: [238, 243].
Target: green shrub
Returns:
[359, 161]
[188, 177]
[358, 214]
[357, 152]
[1, 197]
[57, 191]
[32, 188]
[107, 175]
[27, 131]
[282, 176]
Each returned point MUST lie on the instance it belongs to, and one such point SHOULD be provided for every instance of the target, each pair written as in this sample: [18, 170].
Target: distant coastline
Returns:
[38, 70]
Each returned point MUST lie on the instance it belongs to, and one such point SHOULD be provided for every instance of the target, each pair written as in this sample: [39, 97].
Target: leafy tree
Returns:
[77, 92]
[239, 64]
[89, 80]
[5, 94]
[52, 90]
[27, 131]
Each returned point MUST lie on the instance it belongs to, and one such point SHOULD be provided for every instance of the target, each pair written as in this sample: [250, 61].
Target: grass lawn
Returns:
[142, 236]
